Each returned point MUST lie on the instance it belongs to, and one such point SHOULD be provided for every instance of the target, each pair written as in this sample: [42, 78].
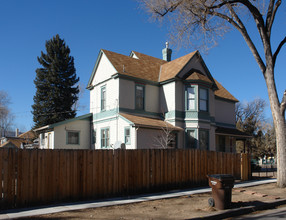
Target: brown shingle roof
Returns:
[154, 69]
[148, 122]
[16, 141]
[171, 69]
[28, 135]
[223, 93]
[146, 67]
[198, 77]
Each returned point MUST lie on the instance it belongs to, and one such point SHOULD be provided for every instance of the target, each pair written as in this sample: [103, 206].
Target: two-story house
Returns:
[141, 101]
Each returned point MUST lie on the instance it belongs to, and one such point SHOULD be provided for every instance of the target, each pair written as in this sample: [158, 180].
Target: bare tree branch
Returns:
[271, 15]
[278, 50]
[241, 28]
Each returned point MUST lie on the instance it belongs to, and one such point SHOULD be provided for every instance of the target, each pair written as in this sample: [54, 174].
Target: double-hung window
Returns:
[139, 97]
[204, 99]
[191, 102]
[73, 137]
[103, 99]
[127, 136]
[104, 137]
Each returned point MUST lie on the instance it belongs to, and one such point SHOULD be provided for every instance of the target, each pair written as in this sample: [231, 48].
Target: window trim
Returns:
[127, 128]
[144, 95]
[67, 137]
[207, 100]
[104, 129]
[187, 107]
[102, 107]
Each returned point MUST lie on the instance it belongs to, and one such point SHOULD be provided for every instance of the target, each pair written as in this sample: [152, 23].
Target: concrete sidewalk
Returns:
[33, 211]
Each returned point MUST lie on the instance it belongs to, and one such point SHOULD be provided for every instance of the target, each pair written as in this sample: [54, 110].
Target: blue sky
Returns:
[120, 26]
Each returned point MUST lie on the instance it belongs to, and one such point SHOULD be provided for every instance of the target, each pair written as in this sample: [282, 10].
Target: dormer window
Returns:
[204, 99]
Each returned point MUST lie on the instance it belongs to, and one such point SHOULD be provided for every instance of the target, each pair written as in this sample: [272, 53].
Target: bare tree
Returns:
[6, 117]
[212, 18]
[166, 137]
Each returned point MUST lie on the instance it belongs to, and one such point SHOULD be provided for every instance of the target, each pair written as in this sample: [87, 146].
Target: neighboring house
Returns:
[73, 133]
[135, 99]
[24, 140]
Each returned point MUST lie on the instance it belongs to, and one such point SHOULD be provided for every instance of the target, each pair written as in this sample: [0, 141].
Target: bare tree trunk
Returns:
[279, 123]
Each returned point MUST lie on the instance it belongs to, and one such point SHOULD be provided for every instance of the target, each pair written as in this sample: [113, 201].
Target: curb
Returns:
[243, 211]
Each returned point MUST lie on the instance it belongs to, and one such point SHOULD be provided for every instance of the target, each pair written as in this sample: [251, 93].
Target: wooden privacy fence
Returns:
[34, 177]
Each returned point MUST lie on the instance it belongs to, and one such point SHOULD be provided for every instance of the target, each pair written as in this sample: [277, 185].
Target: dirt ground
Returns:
[176, 208]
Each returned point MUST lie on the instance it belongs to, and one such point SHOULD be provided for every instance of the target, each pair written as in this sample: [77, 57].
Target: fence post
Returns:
[245, 167]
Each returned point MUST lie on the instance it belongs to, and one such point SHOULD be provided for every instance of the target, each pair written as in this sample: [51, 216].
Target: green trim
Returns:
[105, 140]
[82, 117]
[105, 120]
[135, 79]
[72, 131]
[104, 81]
[125, 136]
[137, 111]
[104, 114]
[168, 81]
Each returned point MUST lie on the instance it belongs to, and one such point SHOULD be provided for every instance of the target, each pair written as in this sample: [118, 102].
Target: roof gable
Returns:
[195, 76]
[138, 65]
[171, 69]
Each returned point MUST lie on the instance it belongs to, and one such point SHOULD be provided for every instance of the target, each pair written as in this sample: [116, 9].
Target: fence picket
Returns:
[43, 176]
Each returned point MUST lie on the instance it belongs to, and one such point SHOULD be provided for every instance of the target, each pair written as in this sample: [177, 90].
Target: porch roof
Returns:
[232, 132]
[147, 122]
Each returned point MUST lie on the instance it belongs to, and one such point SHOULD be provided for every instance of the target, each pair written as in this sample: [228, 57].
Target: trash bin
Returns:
[221, 185]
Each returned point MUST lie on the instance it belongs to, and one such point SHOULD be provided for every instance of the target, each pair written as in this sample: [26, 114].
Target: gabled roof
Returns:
[171, 69]
[146, 122]
[82, 117]
[14, 141]
[149, 68]
[28, 135]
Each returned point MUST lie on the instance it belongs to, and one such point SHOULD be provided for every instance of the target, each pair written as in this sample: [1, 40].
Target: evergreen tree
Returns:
[55, 82]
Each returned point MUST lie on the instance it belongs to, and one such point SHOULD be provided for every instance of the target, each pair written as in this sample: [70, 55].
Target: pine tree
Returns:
[55, 82]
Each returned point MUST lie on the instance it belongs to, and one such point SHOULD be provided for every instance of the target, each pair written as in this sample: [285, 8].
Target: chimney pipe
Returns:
[17, 132]
[167, 52]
